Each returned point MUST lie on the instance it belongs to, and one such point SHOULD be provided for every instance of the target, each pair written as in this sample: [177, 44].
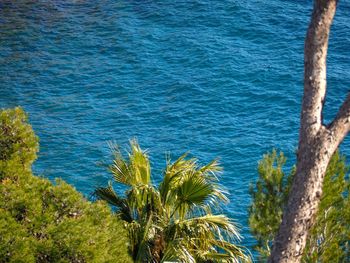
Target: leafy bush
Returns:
[42, 222]
[329, 239]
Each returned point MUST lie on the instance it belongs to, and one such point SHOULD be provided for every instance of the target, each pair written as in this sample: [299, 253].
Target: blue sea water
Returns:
[216, 78]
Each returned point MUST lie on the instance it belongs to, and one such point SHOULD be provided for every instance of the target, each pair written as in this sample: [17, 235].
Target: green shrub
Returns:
[42, 222]
[329, 239]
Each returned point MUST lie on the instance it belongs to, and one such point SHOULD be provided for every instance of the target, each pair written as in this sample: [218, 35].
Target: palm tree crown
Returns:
[174, 221]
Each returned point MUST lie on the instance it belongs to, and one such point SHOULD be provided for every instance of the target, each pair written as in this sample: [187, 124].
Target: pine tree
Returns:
[330, 235]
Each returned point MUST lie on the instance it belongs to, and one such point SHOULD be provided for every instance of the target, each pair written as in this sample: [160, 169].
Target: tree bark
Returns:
[317, 142]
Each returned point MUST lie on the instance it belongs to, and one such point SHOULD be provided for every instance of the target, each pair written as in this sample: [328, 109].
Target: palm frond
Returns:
[215, 224]
[171, 172]
[203, 241]
[236, 253]
[210, 170]
[140, 163]
[195, 192]
[135, 170]
[110, 196]
[120, 168]
[144, 199]
[204, 238]
[216, 256]
[210, 173]
[187, 187]
[176, 252]
[191, 193]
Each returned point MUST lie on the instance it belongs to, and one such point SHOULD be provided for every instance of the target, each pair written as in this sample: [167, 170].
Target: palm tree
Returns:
[174, 221]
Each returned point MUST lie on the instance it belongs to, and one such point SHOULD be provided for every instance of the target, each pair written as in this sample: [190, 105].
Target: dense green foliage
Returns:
[269, 196]
[329, 239]
[42, 222]
[174, 221]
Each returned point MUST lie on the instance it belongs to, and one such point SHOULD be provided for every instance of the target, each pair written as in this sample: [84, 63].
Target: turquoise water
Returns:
[216, 78]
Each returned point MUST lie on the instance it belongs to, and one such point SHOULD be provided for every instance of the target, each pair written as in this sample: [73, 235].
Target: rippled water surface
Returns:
[216, 78]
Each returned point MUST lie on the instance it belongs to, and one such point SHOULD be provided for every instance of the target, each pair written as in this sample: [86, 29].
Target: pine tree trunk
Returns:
[317, 142]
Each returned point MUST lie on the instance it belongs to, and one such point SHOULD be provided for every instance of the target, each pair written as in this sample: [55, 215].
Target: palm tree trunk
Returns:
[158, 247]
